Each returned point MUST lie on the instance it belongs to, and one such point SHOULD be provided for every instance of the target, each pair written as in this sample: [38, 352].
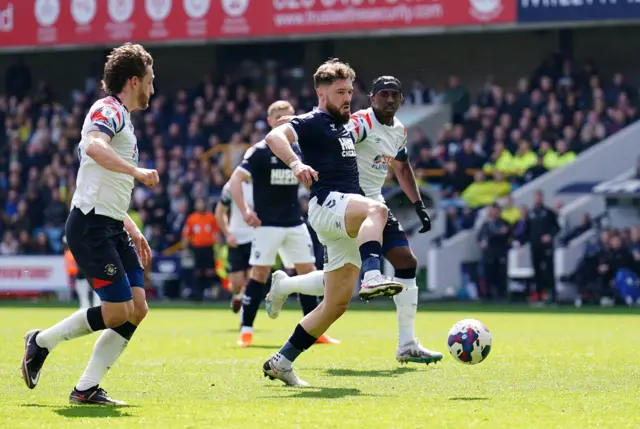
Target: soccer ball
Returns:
[469, 342]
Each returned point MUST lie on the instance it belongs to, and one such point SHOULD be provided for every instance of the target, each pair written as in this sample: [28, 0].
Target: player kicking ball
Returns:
[103, 239]
[381, 141]
[348, 224]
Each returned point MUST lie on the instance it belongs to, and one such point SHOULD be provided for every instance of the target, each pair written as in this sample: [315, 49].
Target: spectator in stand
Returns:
[458, 96]
[483, 192]
[541, 228]
[563, 155]
[500, 160]
[610, 262]
[548, 155]
[9, 245]
[536, 171]
[419, 94]
[494, 238]
[425, 163]
[467, 158]
[418, 141]
[523, 159]
[510, 213]
[453, 181]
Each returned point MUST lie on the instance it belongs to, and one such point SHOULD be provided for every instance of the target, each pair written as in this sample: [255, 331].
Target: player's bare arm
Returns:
[279, 141]
[407, 180]
[237, 194]
[408, 184]
[99, 149]
[142, 246]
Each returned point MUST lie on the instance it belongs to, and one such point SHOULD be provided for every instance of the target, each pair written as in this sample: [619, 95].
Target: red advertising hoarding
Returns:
[81, 22]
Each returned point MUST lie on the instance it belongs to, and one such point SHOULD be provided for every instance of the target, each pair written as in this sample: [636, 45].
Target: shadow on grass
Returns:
[264, 347]
[348, 372]
[470, 398]
[86, 411]
[356, 305]
[319, 392]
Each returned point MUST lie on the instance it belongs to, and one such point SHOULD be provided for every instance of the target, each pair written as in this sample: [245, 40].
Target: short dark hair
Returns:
[331, 71]
[123, 63]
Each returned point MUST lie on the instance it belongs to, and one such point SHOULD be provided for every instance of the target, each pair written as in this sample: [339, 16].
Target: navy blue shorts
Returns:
[393, 235]
[105, 253]
[238, 257]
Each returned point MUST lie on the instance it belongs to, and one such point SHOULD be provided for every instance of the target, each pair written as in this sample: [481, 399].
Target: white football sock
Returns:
[96, 299]
[82, 289]
[406, 306]
[281, 362]
[108, 348]
[307, 284]
[72, 327]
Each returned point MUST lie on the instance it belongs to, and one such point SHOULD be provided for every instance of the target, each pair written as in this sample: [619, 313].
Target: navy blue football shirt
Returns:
[327, 147]
[275, 187]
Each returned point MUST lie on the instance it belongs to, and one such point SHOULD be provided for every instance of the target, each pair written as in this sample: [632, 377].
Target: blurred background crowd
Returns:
[499, 137]
[506, 127]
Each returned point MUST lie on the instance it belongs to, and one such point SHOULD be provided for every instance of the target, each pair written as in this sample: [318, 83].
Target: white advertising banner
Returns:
[32, 273]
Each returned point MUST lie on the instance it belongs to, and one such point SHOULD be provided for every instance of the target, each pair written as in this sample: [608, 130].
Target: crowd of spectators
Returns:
[195, 137]
[608, 271]
[510, 137]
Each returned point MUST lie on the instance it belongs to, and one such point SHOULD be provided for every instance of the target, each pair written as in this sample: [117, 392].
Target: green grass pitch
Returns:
[182, 369]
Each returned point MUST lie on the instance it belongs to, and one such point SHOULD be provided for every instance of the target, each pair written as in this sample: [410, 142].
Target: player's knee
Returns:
[140, 310]
[407, 262]
[378, 211]
[260, 273]
[115, 314]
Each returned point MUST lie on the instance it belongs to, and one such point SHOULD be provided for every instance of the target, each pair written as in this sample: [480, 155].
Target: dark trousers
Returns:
[544, 271]
[495, 274]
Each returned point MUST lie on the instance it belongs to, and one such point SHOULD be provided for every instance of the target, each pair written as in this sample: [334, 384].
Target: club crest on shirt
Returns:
[110, 269]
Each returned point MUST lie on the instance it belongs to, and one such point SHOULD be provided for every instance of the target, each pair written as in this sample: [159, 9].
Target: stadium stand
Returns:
[499, 138]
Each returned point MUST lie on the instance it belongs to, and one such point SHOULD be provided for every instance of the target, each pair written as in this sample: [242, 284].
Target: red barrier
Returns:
[81, 22]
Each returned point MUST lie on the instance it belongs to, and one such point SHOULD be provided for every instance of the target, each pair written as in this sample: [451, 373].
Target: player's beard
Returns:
[337, 114]
[143, 101]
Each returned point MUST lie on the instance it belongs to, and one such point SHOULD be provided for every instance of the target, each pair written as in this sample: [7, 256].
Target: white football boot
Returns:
[416, 353]
[379, 285]
[286, 375]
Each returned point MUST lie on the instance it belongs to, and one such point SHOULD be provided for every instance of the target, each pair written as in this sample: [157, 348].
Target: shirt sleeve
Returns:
[107, 118]
[360, 125]
[225, 197]
[302, 127]
[252, 160]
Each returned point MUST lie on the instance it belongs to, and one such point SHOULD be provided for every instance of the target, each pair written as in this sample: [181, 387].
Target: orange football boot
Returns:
[325, 339]
[246, 339]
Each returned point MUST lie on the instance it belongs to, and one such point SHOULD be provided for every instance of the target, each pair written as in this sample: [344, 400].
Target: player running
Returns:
[348, 224]
[103, 239]
[381, 141]
[277, 219]
[238, 235]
